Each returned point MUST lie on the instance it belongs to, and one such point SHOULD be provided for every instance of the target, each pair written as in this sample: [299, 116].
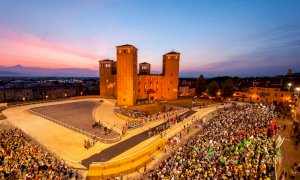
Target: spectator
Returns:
[21, 158]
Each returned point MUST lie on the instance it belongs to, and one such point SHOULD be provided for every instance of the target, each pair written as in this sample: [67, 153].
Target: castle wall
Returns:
[150, 87]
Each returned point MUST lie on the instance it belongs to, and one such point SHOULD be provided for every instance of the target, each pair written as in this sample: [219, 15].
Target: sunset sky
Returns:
[214, 37]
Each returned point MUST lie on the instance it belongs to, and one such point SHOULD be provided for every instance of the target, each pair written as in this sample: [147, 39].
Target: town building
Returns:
[264, 94]
[120, 79]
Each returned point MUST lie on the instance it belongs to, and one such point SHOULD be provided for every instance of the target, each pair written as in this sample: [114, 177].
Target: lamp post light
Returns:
[289, 84]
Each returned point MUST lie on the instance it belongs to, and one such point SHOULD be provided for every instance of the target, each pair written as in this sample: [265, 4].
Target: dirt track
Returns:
[77, 114]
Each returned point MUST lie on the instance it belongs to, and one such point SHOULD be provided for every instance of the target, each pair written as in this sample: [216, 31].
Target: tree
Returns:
[227, 88]
[200, 85]
[213, 88]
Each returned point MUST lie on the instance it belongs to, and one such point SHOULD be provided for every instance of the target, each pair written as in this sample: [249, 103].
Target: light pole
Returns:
[289, 84]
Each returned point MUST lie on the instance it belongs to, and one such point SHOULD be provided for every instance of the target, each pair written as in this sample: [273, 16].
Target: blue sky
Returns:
[214, 37]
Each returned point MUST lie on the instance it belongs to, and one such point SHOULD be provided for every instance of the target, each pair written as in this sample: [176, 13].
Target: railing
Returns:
[34, 102]
[106, 124]
[131, 163]
[104, 140]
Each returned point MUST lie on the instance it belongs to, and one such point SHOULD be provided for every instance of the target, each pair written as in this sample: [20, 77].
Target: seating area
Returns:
[238, 143]
[157, 116]
[22, 158]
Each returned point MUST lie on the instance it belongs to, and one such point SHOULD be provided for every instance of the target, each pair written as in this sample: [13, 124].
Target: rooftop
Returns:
[126, 46]
[172, 53]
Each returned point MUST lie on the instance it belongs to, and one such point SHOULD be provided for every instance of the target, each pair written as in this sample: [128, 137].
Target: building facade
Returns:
[121, 80]
[264, 94]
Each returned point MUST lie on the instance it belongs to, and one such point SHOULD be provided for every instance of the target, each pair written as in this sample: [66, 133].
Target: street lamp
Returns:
[289, 84]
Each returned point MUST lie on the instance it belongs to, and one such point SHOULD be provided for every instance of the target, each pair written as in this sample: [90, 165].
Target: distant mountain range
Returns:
[19, 70]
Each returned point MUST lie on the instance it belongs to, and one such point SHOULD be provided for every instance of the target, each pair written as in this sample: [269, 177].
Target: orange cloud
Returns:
[25, 49]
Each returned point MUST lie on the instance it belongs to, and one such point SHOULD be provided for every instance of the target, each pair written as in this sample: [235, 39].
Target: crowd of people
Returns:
[238, 143]
[156, 116]
[130, 113]
[21, 158]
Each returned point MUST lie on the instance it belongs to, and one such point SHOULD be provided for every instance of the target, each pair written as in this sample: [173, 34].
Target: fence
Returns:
[104, 140]
[98, 170]
[34, 102]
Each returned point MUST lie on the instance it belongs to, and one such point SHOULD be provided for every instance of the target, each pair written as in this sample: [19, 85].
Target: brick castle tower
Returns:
[171, 74]
[126, 75]
[120, 79]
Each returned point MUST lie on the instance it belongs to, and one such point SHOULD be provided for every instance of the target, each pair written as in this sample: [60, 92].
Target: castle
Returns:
[120, 78]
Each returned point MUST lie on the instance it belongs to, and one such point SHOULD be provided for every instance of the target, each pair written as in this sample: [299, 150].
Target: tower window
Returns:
[124, 51]
[171, 82]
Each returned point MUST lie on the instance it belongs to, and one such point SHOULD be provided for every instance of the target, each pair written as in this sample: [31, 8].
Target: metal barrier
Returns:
[37, 102]
[104, 140]
[115, 168]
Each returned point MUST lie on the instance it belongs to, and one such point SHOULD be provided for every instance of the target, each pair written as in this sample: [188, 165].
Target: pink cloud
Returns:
[22, 48]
